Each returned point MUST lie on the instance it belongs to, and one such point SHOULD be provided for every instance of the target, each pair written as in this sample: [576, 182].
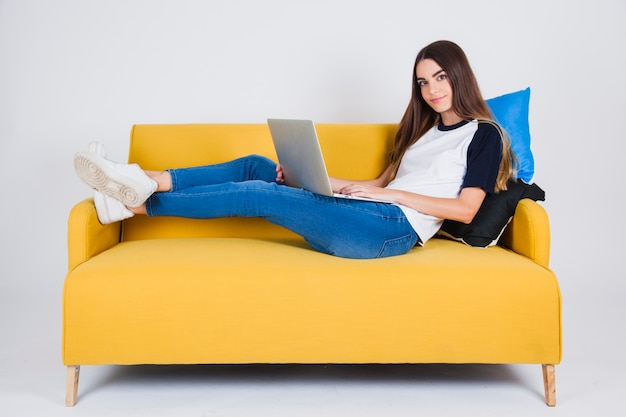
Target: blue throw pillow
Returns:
[511, 112]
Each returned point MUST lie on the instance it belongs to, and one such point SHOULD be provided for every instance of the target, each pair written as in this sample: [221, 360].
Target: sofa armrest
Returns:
[86, 236]
[528, 233]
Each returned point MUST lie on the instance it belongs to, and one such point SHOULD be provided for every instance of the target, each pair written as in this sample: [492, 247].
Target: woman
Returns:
[448, 155]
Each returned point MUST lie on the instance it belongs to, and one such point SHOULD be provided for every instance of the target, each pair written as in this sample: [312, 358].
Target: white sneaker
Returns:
[109, 210]
[124, 182]
[97, 148]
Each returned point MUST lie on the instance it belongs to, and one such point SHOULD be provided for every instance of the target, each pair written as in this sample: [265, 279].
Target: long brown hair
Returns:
[467, 102]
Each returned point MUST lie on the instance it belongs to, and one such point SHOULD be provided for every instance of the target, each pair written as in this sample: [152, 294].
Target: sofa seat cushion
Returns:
[246, 300]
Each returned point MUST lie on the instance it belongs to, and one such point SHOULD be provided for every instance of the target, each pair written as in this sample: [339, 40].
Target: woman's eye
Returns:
[442, 77]
[421, 83]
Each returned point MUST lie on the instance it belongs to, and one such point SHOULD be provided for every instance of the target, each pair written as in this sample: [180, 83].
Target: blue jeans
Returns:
[247, 187]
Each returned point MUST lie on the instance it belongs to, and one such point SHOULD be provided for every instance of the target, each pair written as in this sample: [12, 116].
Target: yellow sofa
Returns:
[237, 291]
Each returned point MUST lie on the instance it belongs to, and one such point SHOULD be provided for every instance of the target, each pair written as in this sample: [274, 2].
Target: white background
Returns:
[72, 71]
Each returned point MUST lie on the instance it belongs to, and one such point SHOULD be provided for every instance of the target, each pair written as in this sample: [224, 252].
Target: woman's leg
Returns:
[247, 187]
[346, 228]
[162, 178]
[248, 168]
[252, 167]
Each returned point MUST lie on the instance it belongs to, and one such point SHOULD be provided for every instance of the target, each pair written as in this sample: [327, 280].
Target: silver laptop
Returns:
[300, 157]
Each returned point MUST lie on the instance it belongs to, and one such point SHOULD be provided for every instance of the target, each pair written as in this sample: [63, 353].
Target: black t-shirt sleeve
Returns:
[483, 158]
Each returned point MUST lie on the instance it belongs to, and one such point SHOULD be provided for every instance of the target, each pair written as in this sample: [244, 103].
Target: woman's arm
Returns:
[462, 208]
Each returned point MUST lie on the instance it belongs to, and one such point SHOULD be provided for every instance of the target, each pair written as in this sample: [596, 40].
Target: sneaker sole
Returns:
[108, 181]
[102, 208]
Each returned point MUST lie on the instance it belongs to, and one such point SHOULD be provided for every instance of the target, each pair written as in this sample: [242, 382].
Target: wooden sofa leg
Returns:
[549, 384]
[71, 385]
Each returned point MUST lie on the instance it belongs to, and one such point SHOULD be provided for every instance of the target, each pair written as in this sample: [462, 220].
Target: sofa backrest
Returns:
[358, 151]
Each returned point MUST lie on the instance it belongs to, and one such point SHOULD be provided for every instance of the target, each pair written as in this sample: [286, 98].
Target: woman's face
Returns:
[436, 90]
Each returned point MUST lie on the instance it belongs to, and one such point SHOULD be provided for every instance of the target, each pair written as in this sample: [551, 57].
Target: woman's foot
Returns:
[126, 183]
[109, 210]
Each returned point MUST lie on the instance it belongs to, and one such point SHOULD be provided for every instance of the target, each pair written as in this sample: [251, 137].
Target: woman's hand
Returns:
[369, 191]
[344, 186]
[280, 176]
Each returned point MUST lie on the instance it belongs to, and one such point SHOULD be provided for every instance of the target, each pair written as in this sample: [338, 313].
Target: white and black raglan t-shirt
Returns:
[444, 161]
